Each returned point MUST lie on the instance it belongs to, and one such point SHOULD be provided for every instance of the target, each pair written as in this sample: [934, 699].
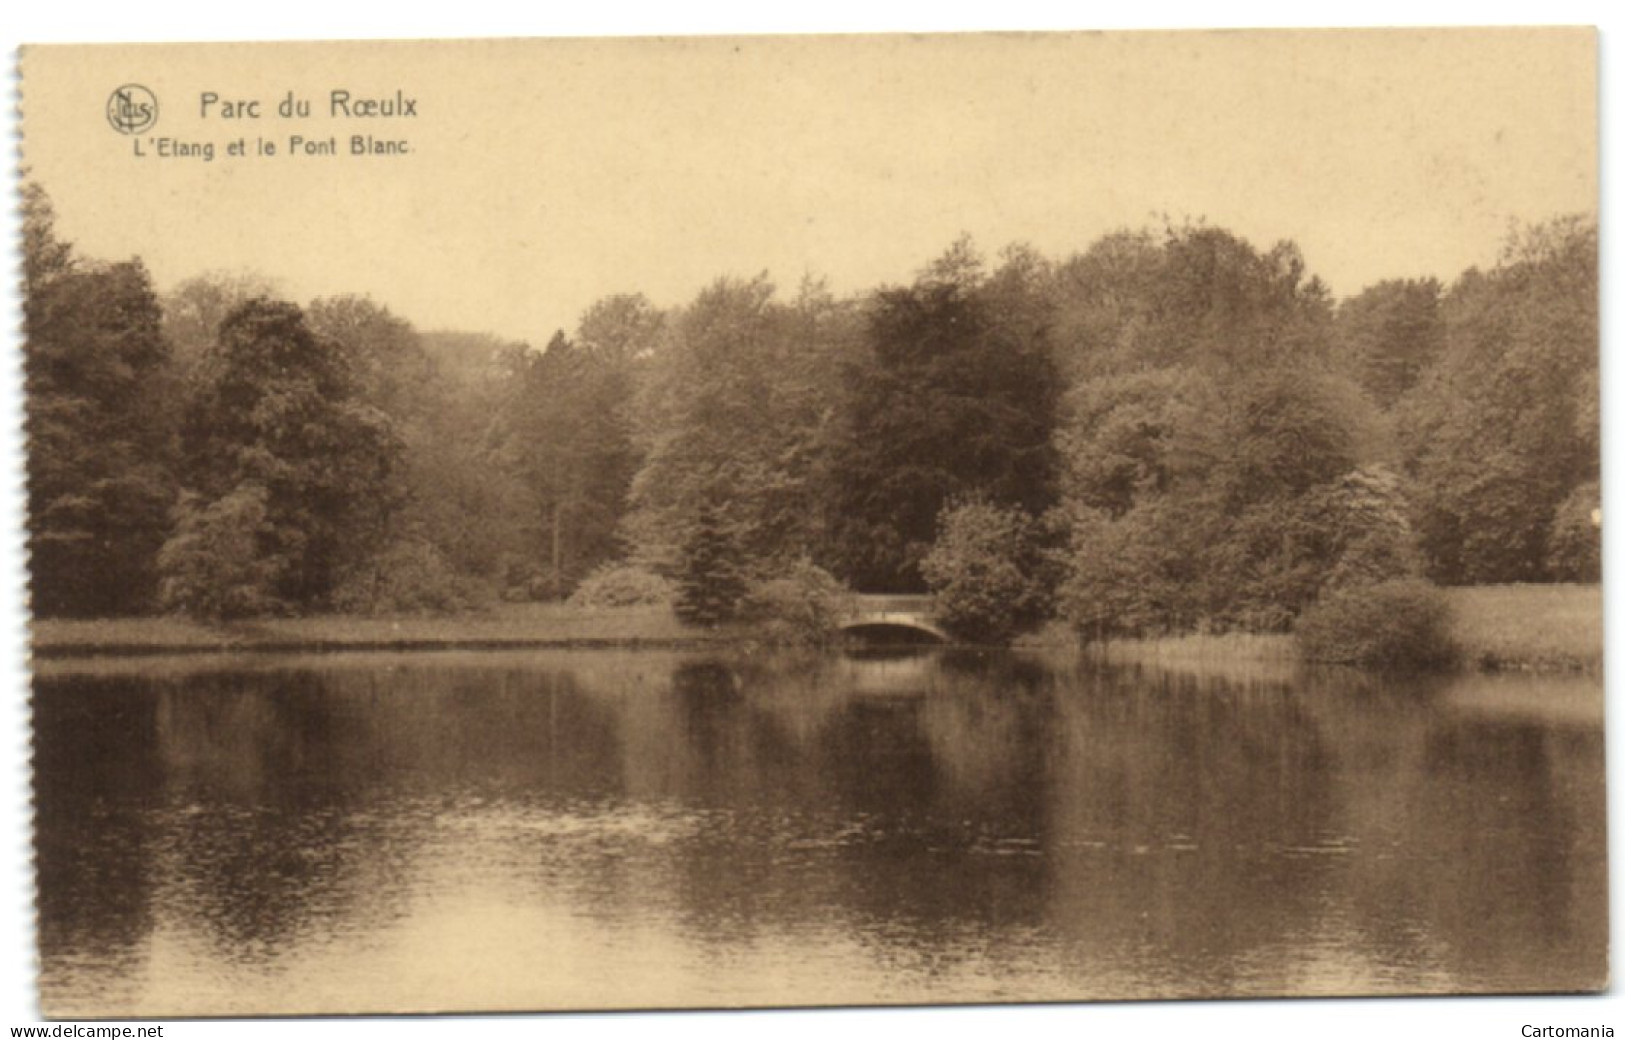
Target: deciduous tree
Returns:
[1390, 333]
[989, 571]
[567, 436]
[1502, 430]
[276, 408]
[1207, 437]
[734, 416]
[96, 372]
[954, 395]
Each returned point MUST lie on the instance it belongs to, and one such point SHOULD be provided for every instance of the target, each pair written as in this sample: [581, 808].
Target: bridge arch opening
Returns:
[892, 633]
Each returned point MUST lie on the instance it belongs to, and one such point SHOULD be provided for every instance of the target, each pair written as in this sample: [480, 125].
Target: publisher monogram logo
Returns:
[132, 109]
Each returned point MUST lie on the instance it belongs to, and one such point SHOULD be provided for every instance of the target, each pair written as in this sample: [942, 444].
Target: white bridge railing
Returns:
[902, 611]
[908, 606]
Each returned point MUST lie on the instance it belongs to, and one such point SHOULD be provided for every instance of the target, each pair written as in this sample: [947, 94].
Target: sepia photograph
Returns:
[805, 521]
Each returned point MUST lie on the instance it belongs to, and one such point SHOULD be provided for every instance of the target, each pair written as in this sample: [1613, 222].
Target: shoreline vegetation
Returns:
[508, 625]
[1171, 430]
[1493, 628]
[1536, 628]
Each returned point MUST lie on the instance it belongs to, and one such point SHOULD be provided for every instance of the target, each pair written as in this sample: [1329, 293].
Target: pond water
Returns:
[654, 829]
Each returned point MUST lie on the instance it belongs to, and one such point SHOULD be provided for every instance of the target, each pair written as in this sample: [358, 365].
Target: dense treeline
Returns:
[99, 384]
[1170, 430]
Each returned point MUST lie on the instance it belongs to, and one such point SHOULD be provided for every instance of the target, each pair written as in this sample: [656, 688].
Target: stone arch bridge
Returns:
[879, 615]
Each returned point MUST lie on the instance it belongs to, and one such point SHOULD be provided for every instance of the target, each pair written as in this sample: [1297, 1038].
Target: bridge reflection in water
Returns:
[905, 672]
[618, 828]
[895, 619]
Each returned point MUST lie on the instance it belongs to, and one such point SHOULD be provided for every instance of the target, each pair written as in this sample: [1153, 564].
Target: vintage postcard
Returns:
[524, 525]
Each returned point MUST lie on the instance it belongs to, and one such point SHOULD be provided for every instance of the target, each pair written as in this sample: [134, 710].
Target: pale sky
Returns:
[544, 175]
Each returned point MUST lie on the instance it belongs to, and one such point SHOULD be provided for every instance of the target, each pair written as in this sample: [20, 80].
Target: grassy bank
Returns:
[1497, 627]
[507, 625]
[1528, 627]
[1535, 628]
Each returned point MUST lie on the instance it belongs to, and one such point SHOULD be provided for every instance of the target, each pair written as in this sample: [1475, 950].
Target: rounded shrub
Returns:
[213, 568]
[989, 572]
[1574, 547]
[407, 577]
[622, 585]
[802, 606]
[1401, 624]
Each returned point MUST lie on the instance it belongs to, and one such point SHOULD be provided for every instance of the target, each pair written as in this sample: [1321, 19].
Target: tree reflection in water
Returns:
[327, 834]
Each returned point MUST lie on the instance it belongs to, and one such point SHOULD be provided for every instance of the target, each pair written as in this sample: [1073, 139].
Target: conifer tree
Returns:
[711, 581]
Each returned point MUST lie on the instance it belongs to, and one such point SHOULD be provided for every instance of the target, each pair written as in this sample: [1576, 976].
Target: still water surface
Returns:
[603, 829]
